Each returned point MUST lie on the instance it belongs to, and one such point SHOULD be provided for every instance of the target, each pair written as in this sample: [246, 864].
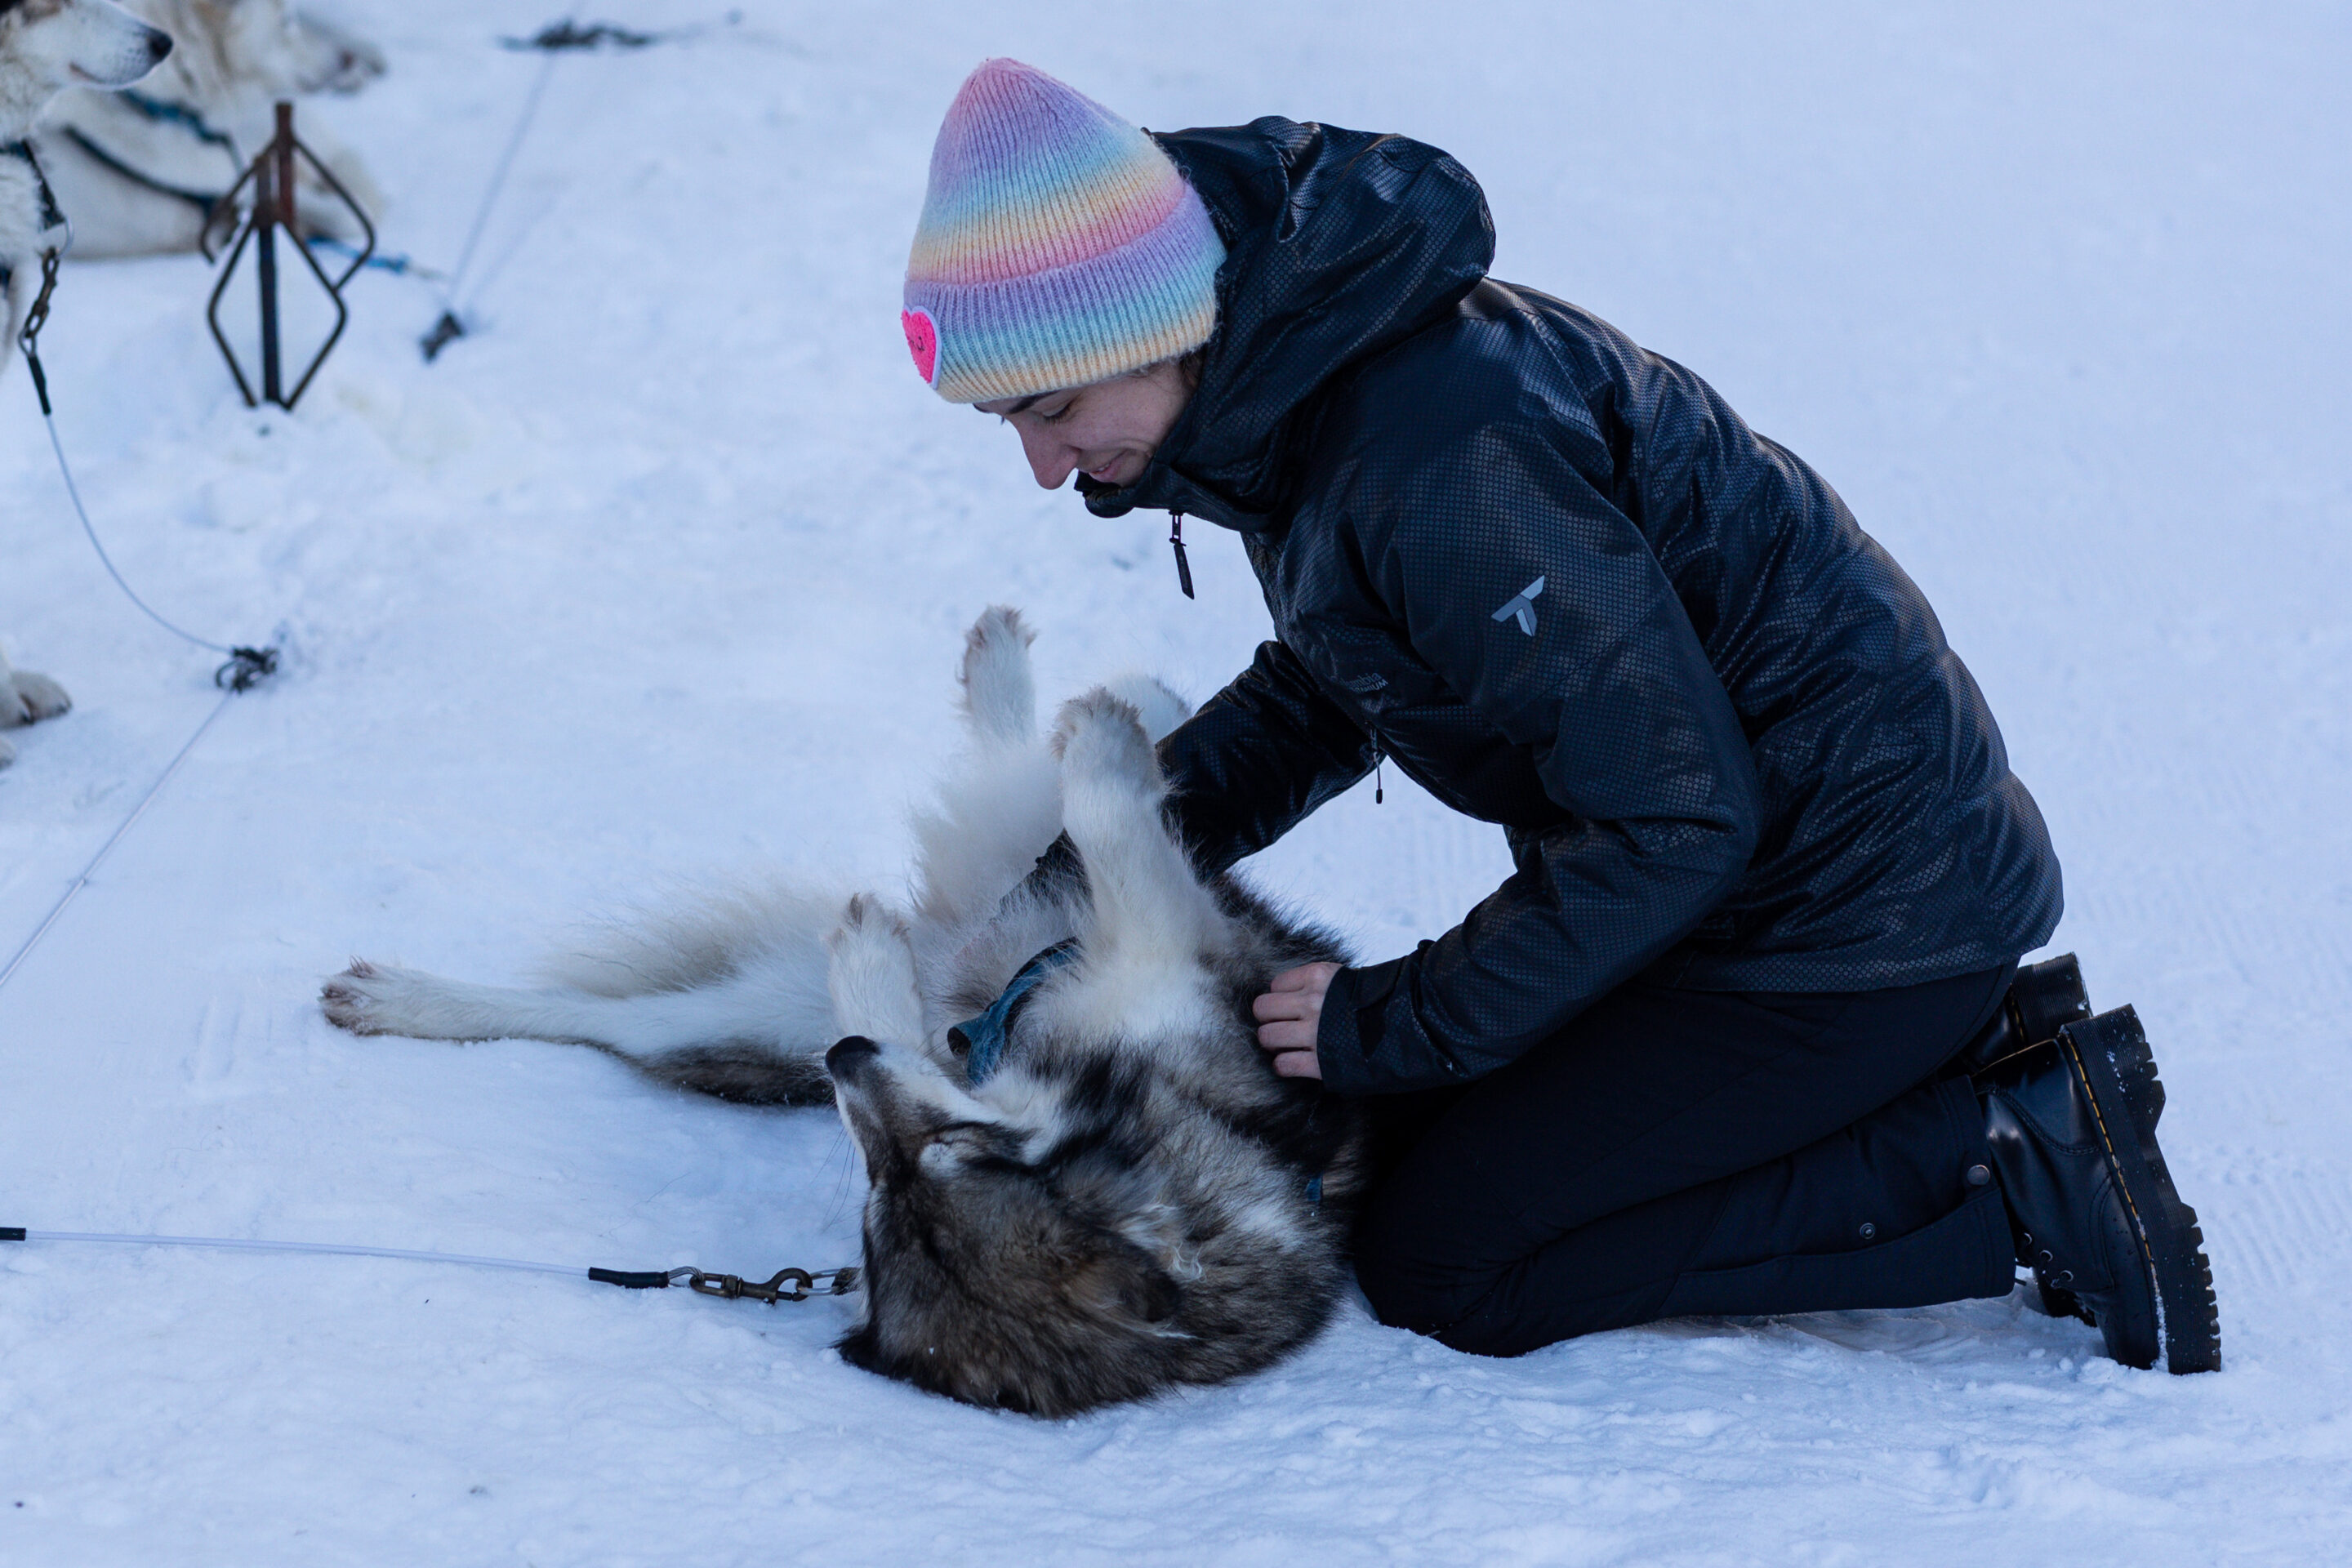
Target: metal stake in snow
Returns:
[787, 1284]
[271, 175]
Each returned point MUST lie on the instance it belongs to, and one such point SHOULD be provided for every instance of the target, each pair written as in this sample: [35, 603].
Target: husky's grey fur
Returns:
[193, 129]
[1132, 1199]
[46, 46]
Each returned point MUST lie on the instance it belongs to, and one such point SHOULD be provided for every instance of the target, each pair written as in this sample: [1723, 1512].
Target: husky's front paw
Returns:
[369, 999]
[1158, 708]
[999, 694]
[870, 973]
[1100, 737]
[26, 696]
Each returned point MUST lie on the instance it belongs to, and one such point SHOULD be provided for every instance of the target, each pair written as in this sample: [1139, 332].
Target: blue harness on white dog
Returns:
[981, 1041]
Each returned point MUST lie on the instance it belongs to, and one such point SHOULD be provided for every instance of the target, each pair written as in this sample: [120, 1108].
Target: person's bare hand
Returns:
[1288, 1016]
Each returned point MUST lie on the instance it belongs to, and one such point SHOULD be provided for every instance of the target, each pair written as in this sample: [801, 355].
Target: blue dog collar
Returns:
[981, 1041]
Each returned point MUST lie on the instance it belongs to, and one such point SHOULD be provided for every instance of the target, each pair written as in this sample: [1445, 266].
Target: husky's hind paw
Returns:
[42, 698]
[871, 975]
[1100, 737]
[998, 693]
[369, 999]
[26, 696]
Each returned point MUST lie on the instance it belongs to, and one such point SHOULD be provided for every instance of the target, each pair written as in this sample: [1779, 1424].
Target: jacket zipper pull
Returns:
[1380, 790]
[1176, 538]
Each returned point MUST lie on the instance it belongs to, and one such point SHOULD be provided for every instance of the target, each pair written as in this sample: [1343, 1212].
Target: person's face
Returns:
[1108, 431]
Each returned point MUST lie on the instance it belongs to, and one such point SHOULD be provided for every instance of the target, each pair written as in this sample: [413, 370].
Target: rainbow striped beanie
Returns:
[1058, 245]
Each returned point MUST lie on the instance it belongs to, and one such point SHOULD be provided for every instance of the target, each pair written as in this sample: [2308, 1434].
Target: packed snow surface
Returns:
[657, 580]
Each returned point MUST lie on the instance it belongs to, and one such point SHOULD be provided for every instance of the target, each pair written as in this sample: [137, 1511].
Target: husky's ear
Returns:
[1125, 1286]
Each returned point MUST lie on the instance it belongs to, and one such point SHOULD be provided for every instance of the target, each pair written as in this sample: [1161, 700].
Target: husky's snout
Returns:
[892, 1101]
[853, 1063]
[851, 1059]
[96, 42]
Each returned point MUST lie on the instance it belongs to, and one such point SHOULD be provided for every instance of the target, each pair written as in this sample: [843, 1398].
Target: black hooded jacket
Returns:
[1555, 578]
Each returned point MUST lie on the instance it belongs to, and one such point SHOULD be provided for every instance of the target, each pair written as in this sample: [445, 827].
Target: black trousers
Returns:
[1689, 1152]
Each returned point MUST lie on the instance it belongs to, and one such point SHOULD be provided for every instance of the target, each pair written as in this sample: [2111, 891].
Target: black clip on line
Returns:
[786, 1285]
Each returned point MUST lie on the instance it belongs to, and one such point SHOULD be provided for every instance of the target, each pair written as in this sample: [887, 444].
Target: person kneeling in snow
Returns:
[1726, 1040]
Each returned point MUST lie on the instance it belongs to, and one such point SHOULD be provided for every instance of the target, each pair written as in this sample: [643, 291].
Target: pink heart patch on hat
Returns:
[923, 342]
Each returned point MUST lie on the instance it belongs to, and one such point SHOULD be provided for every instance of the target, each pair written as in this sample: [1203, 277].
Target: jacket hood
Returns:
[1337, 245]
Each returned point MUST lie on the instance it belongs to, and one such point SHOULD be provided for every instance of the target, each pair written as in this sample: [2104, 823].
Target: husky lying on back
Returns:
[1087, 1184]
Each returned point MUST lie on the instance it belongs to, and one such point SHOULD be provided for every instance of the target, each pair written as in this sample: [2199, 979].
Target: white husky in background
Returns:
[142, 173]
[1087, 1184]
[46, 46]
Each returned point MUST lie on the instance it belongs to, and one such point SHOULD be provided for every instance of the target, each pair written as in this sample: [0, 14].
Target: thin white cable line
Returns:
[498, 179]
[338, 1249]
[81, 882]
[73, 493]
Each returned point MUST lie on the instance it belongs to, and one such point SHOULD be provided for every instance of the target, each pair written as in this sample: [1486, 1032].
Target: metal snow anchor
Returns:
[272, 177]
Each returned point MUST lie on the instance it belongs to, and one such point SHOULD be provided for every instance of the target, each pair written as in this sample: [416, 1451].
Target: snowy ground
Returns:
[660, 577]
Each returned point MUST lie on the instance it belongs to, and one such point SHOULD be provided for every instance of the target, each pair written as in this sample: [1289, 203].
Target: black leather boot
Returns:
[2043, 999]
[2072, 1125]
